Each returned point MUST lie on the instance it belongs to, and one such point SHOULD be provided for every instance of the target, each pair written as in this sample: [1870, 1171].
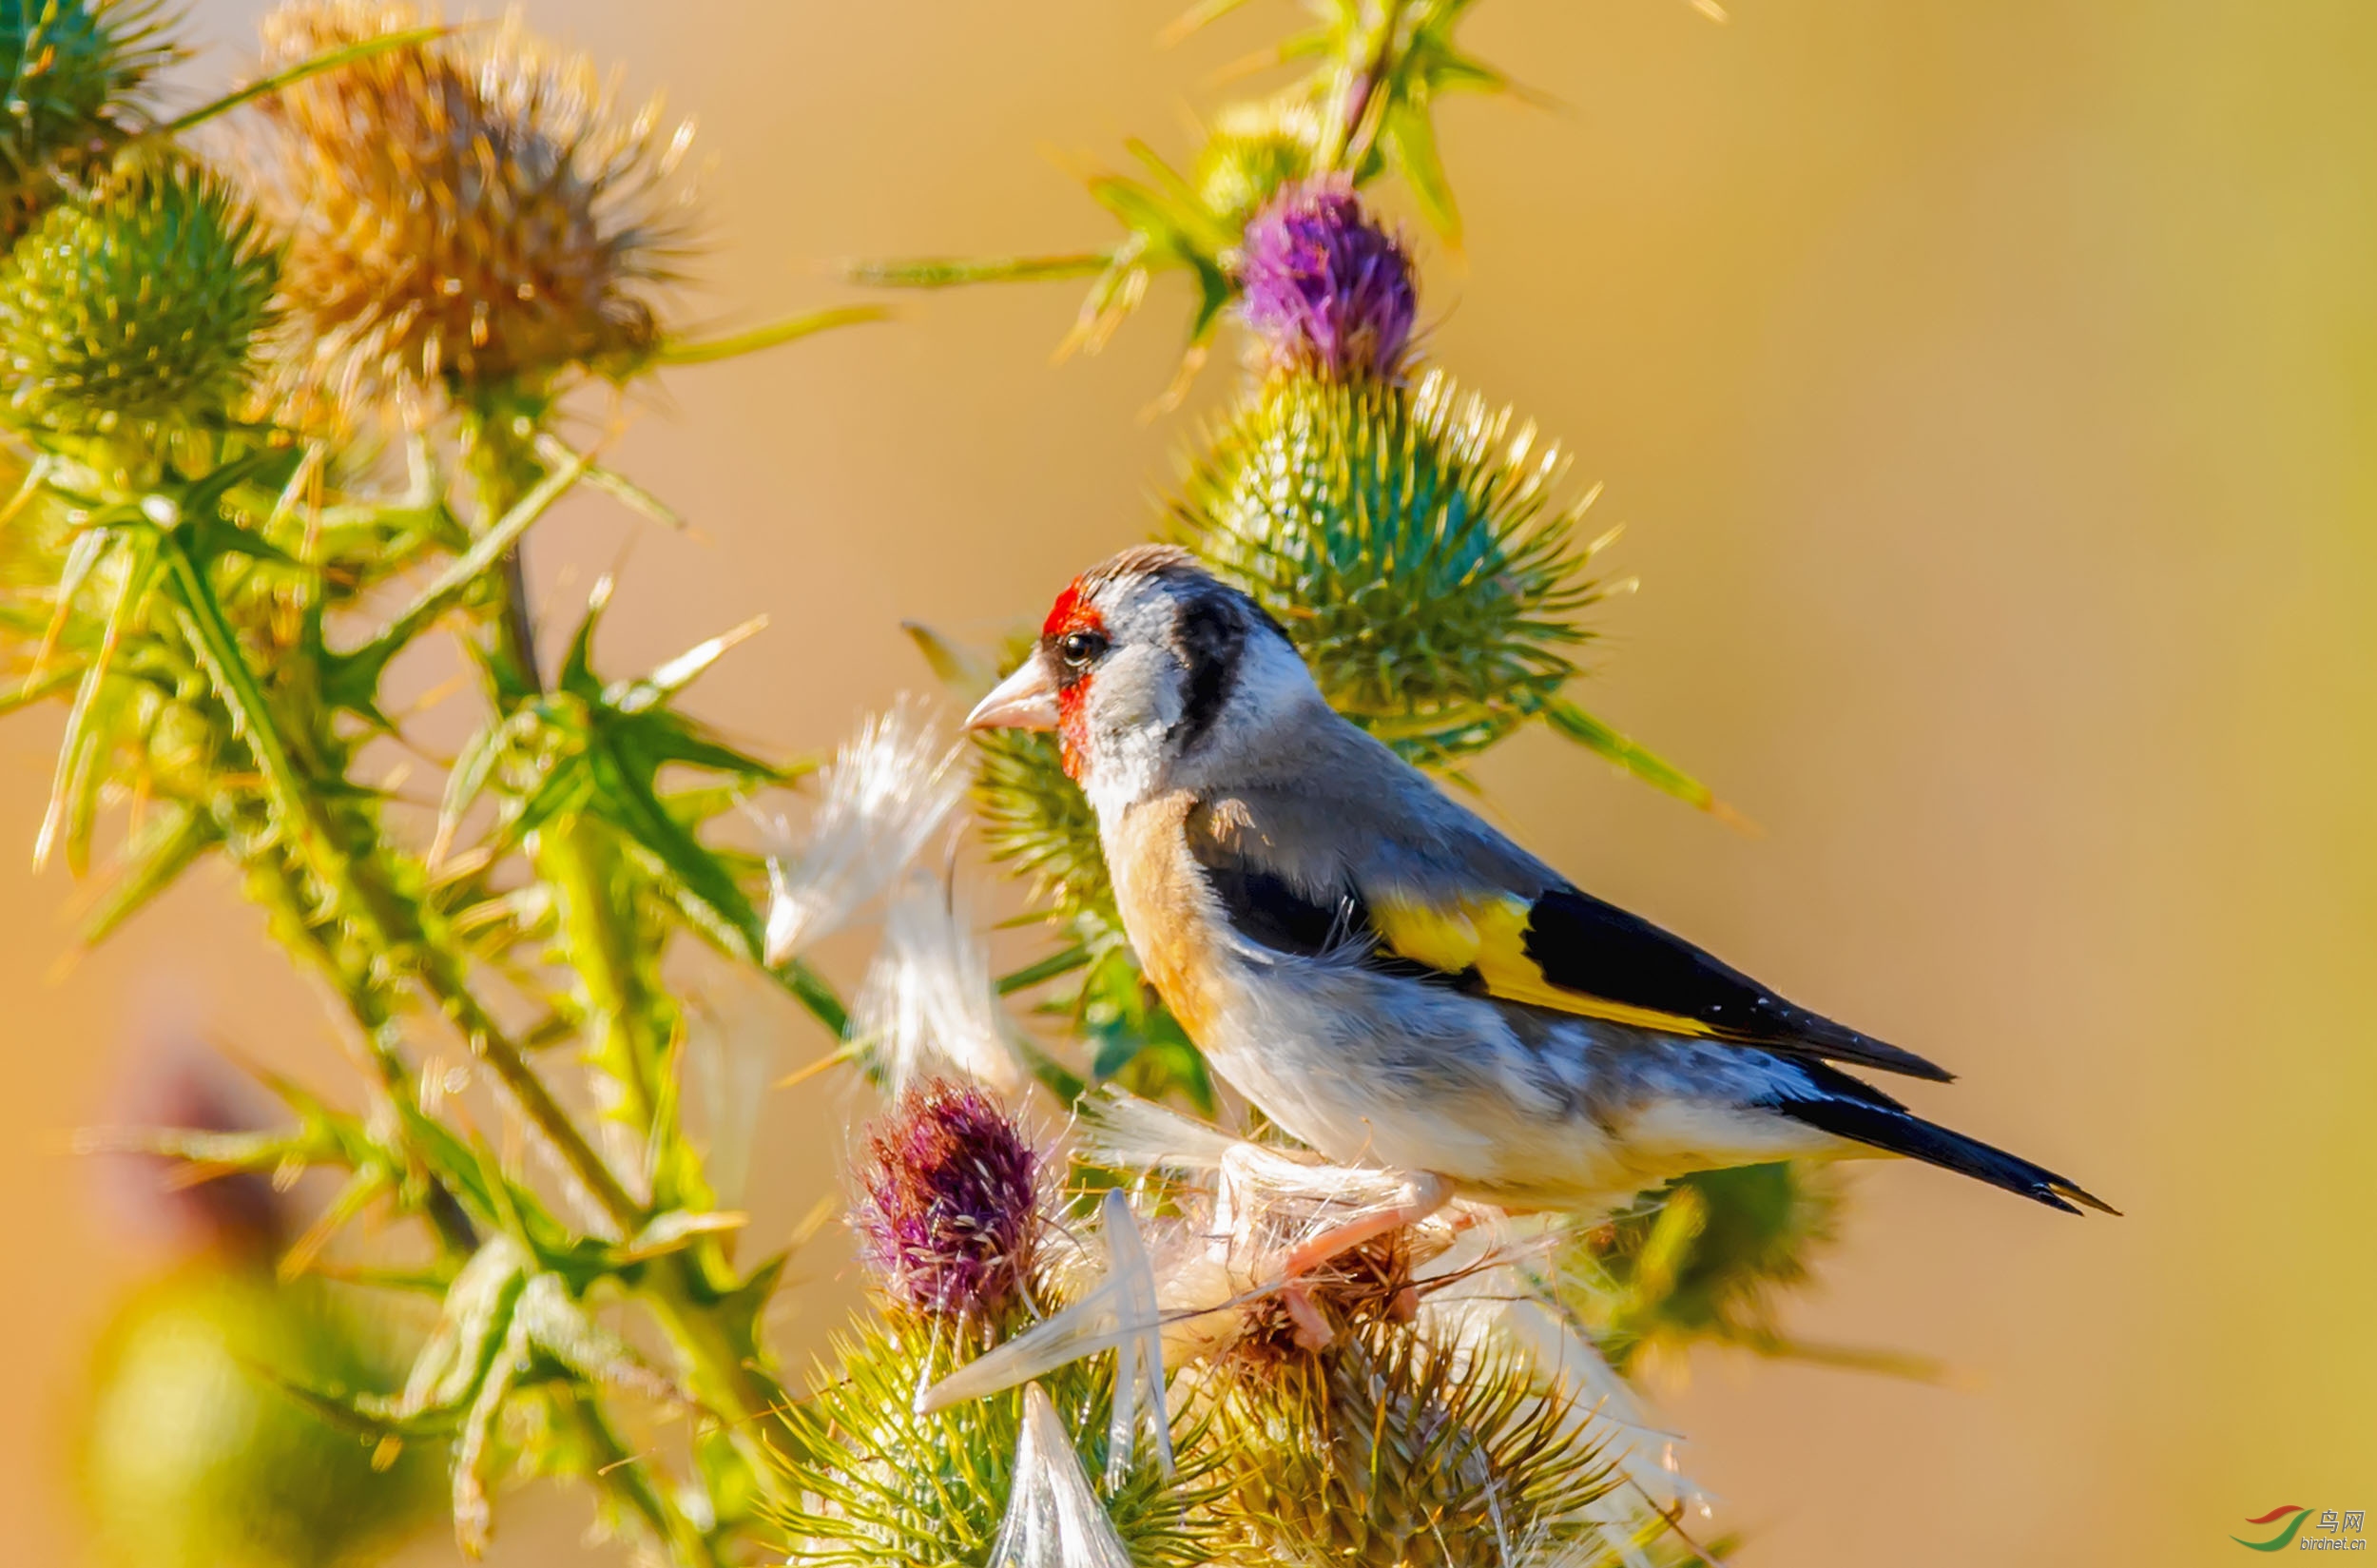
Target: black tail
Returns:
[1871, 1117]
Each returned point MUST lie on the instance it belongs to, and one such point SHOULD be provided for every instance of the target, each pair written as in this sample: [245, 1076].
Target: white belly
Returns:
[1437, 1082]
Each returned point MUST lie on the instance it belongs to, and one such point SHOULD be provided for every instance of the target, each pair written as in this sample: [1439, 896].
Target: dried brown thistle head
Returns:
[465, 216]
[1369, 1285]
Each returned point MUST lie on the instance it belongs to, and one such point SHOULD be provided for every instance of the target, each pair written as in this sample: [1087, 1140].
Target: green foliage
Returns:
[193, 1456]
[73, 72]
[1705, 1259]
[884, 1485]
[218, 603]
[137, 307]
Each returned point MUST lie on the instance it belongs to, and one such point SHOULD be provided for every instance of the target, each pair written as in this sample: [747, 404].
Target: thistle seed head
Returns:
[929, 1003]
[462, 215]
[888, 791]
[948, 1209]
[1328, 291]
[73, 71]
[132, 311]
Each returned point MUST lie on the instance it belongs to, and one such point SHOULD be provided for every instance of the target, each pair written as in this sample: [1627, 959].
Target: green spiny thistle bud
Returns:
[192, 1457]
[1254, 150]
[461, 215]
[882, 1485]
[1409, 541]
[134, 310]
[1391, 1449]
[74, 70]
[1038, 825]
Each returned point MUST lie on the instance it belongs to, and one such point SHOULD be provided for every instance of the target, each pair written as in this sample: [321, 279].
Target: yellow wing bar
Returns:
[1487, 932]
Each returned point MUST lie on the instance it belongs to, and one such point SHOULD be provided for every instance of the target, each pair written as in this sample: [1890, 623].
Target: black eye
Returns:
[1079, 647]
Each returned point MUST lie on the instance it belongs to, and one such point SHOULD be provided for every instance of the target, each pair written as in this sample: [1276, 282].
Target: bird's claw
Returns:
[1313, 1333]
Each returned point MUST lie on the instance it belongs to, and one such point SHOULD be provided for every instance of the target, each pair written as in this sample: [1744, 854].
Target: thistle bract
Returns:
[948, 1209]
[74, 70]
[461, 214]
[1327, 291]
[1409, 541]
[135, 309]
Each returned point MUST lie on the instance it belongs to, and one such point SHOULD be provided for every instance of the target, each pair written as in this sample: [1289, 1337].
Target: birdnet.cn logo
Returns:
[2291, 1524]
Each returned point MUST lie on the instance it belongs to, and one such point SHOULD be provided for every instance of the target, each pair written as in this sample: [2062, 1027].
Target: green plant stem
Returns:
[630, 1021]
[382, 916]
[721, 1358]
[619, 1472]
[280, 889]
[500, 438]
[626, 1020]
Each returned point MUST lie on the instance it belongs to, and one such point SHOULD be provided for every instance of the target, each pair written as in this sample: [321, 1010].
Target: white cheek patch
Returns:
[1134, 699]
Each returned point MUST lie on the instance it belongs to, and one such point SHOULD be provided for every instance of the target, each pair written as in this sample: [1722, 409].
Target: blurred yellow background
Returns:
[1991, 394]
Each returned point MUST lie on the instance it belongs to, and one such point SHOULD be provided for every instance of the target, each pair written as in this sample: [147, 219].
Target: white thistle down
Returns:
[888, 790]
[929, 1005]
[1053, 1519]
[730, 1054]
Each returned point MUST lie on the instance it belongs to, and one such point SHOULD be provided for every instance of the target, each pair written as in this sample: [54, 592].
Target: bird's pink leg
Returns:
[1423, 1195]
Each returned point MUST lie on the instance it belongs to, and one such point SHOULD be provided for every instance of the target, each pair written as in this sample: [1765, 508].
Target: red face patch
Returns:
[1071, 612]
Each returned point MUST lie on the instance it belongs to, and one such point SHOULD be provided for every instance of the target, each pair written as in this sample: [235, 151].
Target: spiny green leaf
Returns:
[354, 680]
[1599, 738]
[74, 791]
[626, 803]
[734, 345]
[328, 60]
[952, 272]
[171, 843]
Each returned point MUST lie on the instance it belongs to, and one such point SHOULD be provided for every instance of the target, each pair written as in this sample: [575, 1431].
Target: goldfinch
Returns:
[1388, 977]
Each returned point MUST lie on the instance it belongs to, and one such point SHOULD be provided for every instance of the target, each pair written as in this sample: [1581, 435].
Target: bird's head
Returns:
[1154, 676]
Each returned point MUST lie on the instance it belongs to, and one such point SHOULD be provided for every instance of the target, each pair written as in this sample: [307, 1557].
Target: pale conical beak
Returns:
[1026, 700]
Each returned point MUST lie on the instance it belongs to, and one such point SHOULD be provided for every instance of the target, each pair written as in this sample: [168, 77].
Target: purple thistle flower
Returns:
[1328, 291]
[948, 1202]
